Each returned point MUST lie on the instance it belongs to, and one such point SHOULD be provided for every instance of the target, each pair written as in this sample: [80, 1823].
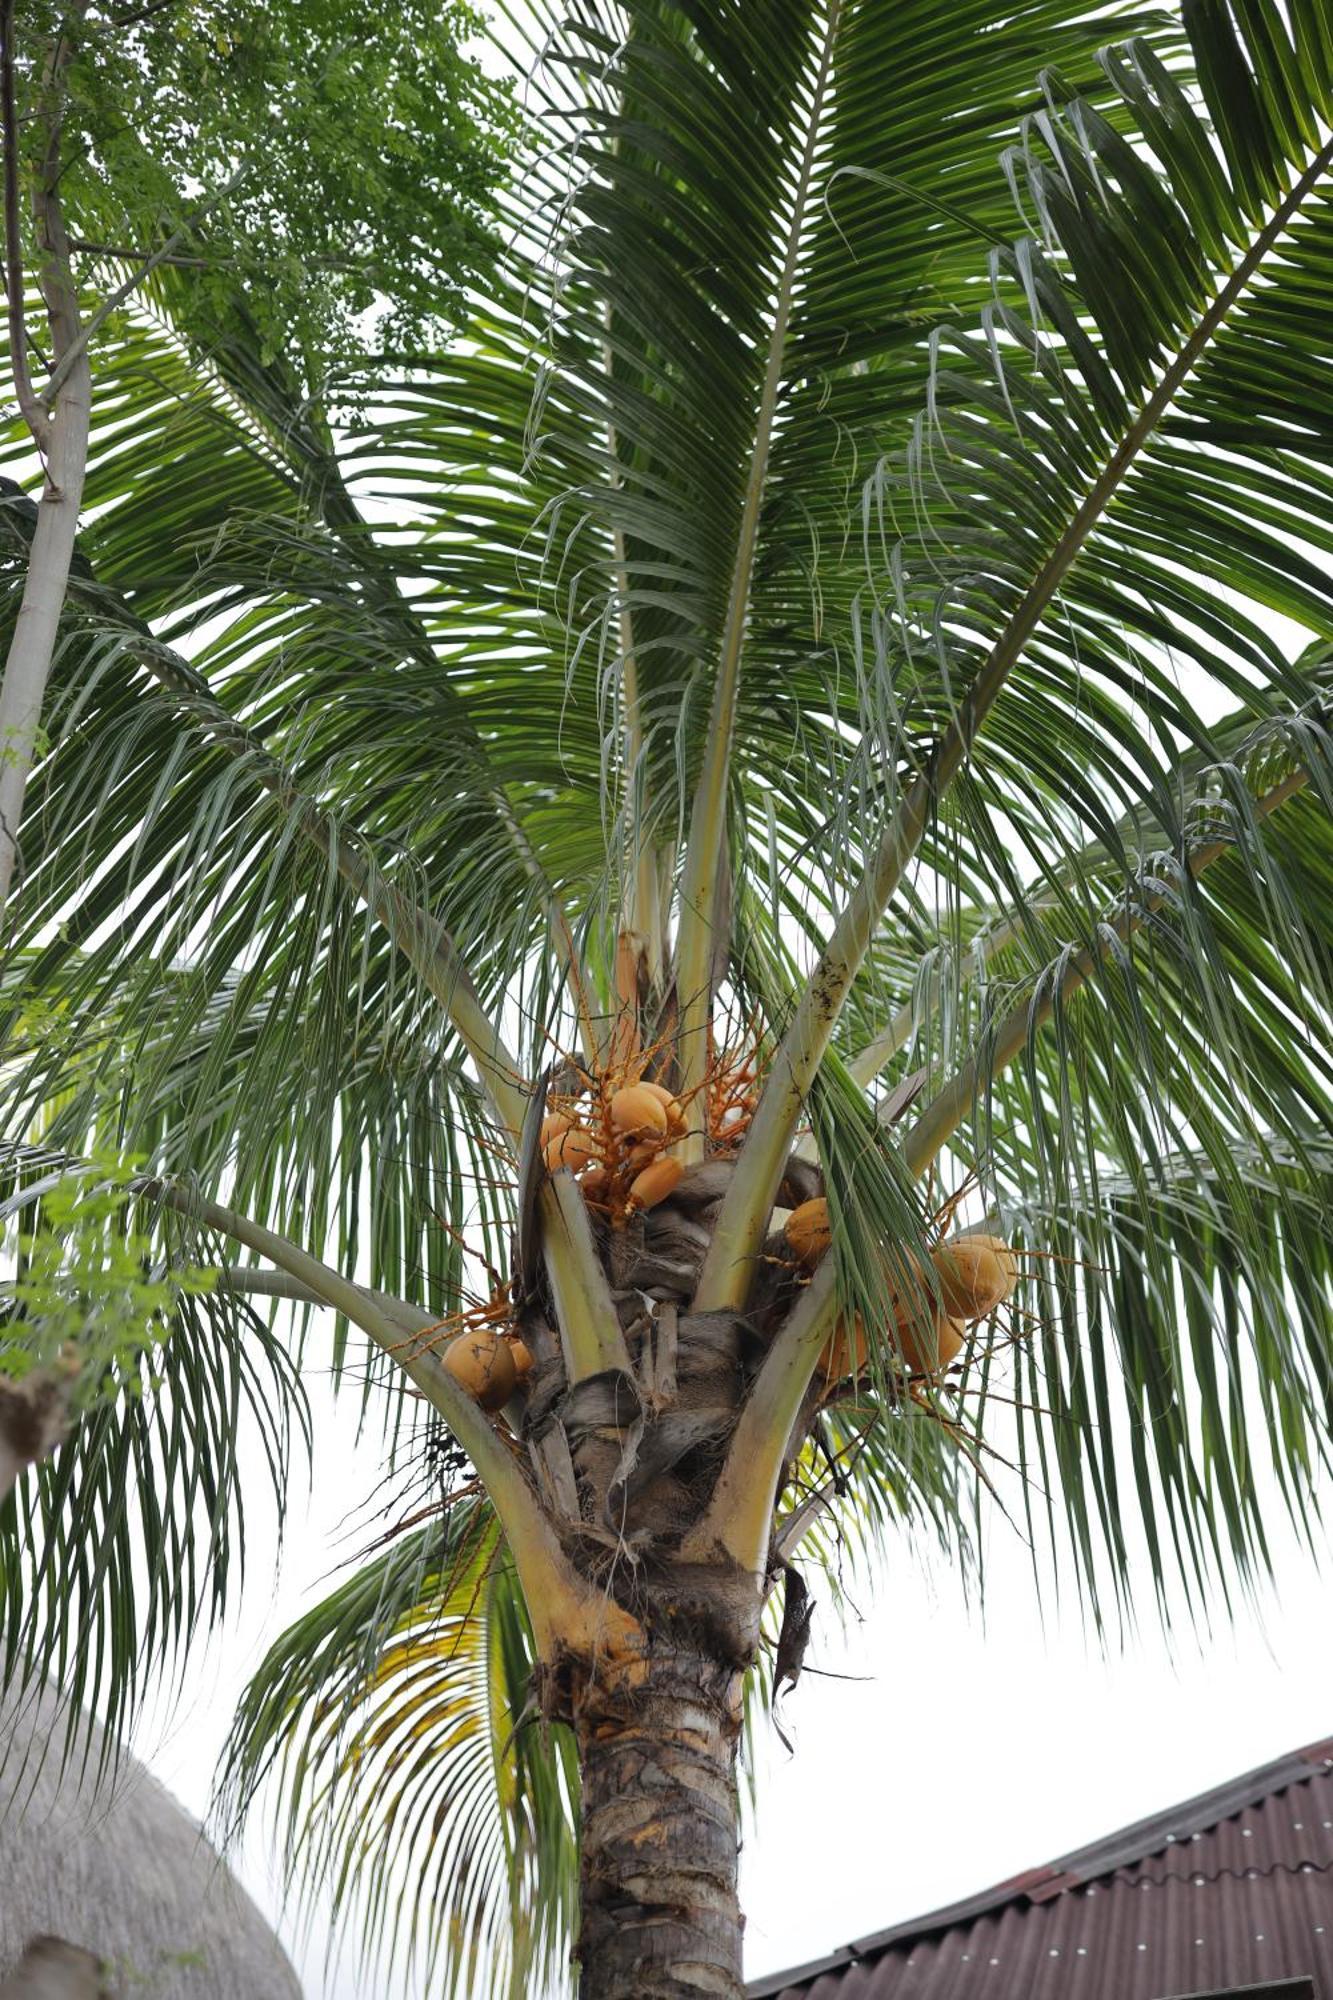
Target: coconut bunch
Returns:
[482, 1349]
[973, 1275]
[616, 1131]
[615, 1136]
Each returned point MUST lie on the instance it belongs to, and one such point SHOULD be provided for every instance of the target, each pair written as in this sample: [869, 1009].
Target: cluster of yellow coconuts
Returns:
[619, 1150]
[618, 1146]
[975, 1274]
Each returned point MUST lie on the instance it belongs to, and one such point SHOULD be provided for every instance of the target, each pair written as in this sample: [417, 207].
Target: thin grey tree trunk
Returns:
[28, 666]
[32, 649]
[34, 1415]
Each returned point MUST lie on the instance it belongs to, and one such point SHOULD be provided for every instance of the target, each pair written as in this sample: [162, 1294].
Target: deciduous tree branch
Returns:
[67, 361]
[63, 440]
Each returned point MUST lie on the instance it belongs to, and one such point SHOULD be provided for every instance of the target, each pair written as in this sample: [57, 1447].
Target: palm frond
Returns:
[391, 1721]
[130, 1539]
[1159, 1141]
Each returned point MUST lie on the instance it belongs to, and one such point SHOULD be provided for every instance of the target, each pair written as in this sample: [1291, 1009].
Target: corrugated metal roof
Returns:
[1230, 1889]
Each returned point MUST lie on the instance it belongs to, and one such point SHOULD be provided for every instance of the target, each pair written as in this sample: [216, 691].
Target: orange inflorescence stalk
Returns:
[733, 1088]
[482, 1315]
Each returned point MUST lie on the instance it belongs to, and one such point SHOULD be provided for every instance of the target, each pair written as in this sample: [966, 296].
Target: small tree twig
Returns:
[60, 373]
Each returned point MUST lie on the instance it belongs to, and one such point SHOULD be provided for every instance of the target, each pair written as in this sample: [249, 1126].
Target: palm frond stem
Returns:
[256, 1283]
[866, 1065]
[590, 1330]
[31, 408]
[739, 1516]
[708, 808]
[645, 901]
[559, 1601]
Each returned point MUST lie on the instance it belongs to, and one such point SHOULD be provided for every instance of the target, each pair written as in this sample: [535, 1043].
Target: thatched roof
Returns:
[122, 1870]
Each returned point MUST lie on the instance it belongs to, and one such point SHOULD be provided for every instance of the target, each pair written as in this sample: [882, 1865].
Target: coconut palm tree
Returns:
[732, 874]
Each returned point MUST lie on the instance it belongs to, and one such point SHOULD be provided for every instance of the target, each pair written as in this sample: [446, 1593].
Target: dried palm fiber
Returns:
[119, 1869]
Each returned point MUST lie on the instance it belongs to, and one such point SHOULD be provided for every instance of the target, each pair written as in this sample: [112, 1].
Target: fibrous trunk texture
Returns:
[660, 1838]
[626, 1460]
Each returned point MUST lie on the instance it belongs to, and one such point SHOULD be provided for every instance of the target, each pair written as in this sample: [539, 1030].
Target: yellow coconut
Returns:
[911, 1287]
[930, 1341]
[483, 1364]
[573, 1148]
[521, 1355]
[977, 1274]
[553, 1124]
[808, 1231]
[656, 1182]
[638, 1113]
[843, 1356]
[670, 1104]
[919, 1317]
[928, 1346]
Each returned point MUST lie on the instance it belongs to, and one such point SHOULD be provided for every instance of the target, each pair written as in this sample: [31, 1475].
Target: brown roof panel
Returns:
[1232, 1888]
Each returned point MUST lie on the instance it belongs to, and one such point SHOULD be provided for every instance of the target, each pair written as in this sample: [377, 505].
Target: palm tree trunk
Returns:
[660, 1842]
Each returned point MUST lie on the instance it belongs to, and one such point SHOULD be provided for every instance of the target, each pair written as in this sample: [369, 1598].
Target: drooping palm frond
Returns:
[393, 1720]
[129, 1541]
[1181, 1034]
